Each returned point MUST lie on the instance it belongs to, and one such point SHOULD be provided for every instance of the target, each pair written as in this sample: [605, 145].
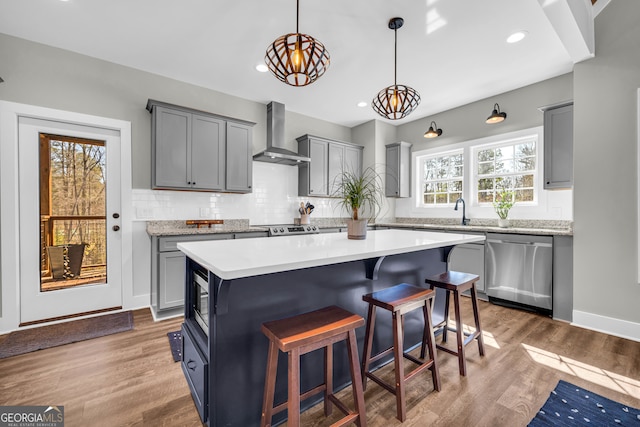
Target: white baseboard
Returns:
[136, 302]
[608, 325]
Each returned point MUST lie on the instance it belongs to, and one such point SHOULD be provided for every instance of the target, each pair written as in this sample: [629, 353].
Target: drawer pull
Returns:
[191, 365]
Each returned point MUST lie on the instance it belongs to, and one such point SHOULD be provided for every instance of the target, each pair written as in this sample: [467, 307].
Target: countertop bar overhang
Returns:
[233, 259]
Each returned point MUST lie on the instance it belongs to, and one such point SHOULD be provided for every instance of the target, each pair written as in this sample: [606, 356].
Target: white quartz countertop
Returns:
[232, 259]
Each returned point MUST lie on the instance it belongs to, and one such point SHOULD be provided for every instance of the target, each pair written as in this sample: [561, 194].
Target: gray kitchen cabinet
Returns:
[469, 258]
[558, 147]
[239, 158]
[168, 271]
[329, 158]
[207, 153]
[168, 268]
[313, 176]
[398, 170]
[171, 266]
[195, 150]
[563, 278]
[343, 158]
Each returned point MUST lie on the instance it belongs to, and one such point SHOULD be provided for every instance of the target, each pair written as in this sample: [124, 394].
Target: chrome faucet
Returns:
[465, 220]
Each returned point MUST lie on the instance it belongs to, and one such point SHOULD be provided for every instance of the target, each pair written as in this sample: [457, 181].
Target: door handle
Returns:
[116, 227]
[191, 365]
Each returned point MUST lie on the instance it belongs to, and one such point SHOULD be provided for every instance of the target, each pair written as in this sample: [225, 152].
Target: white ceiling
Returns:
[451, 51]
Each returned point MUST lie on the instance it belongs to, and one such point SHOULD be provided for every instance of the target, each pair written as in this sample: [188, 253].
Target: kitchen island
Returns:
[251, 281]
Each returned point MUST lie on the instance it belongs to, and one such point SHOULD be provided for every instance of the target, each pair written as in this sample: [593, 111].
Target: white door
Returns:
[46, 236]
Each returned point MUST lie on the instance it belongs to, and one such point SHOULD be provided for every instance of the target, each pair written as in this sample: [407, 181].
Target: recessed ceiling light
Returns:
[517, 36]
[362, 104]
[262, 68]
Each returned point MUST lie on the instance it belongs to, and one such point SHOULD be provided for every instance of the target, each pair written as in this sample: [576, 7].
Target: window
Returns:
[509, 166]
[442, 177]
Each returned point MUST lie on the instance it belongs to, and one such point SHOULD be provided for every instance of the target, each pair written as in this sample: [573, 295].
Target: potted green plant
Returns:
[503, 203]
[360, 194]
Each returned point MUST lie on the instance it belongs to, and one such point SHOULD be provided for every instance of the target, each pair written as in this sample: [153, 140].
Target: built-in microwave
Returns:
[200, 283]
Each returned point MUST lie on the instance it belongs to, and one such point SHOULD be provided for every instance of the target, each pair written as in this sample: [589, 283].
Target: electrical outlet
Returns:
[205, 212]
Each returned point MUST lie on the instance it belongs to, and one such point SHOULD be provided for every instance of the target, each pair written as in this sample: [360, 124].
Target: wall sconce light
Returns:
[433, 131]
[496, 116]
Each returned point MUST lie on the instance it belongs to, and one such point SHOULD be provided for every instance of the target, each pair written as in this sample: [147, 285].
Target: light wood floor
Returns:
[130, 379]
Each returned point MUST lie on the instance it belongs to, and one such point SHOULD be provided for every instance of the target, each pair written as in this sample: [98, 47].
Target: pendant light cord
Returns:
[395, 58]
[297, 15]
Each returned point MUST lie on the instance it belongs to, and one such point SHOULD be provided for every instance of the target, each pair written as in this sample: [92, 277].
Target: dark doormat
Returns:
[28, 340]
[175, 342]
[570, 405]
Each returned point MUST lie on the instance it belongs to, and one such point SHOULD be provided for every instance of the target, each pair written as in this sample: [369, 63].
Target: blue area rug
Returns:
[175, 341]
[569, 405]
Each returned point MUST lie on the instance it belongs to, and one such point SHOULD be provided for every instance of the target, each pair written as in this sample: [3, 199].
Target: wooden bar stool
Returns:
[302, 334]
[454, 282]
[400, 299]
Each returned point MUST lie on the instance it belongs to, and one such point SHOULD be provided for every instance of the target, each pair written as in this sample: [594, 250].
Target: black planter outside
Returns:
[75, 253]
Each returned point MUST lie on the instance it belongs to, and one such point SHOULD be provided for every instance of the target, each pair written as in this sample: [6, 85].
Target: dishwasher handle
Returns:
[512, 242]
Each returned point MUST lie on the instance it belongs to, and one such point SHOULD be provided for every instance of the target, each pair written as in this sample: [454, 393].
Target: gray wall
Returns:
[49, 77]
[605, 168]
[468, 122]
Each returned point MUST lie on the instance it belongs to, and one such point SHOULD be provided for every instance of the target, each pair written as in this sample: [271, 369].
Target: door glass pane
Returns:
[72, 212]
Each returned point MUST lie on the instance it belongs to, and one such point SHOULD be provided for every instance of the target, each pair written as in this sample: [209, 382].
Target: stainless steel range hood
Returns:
[275, 152]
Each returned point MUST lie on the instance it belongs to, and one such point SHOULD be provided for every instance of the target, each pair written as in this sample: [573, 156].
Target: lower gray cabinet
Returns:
[469, 258]
[172, 271]
[168, 268]
[168, 271]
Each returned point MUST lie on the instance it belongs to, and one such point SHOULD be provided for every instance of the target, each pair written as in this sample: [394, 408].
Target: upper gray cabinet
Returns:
[313, 176]
[398, 170]
[195, 150]
[239, 158]
[558, 147]
[343, 159]
[329, 159]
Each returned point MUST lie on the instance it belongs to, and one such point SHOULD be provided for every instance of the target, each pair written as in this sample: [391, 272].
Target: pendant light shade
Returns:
[496, 116]
[297, 59]
[396, 101]
[433, 131]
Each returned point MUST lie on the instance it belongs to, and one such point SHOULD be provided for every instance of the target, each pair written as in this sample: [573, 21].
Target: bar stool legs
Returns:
[400, 299]
[302, 334]
[453, 282]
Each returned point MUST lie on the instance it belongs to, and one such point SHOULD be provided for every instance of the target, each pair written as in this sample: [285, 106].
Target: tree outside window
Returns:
[506, 167]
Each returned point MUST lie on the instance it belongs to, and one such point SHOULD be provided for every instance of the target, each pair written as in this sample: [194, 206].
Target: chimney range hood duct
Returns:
[275, 152]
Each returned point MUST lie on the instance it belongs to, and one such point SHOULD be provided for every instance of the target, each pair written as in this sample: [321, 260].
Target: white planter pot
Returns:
[357, 229]
[503, 223]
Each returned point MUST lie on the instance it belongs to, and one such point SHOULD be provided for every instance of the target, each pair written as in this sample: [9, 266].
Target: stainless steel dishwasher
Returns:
[519, 270]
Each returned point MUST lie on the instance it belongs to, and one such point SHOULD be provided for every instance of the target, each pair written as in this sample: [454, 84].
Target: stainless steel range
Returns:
[291, 230]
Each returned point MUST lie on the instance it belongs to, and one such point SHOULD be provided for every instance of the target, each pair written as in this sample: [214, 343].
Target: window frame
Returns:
[550, 205]
[474, 149]
[420, 181]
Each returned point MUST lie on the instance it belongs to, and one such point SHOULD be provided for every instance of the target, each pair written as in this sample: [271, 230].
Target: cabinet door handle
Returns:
[191, 365]
[116, 227]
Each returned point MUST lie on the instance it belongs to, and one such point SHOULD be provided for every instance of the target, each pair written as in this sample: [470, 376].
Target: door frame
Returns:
[10, 280]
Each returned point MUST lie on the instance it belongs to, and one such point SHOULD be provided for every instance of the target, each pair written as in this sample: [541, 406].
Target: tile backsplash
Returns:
[274, 200]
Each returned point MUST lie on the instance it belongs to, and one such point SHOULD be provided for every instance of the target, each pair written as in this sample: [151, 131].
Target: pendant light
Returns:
[297, 59]
[496, 116]
[433, 131]
[397, 101]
